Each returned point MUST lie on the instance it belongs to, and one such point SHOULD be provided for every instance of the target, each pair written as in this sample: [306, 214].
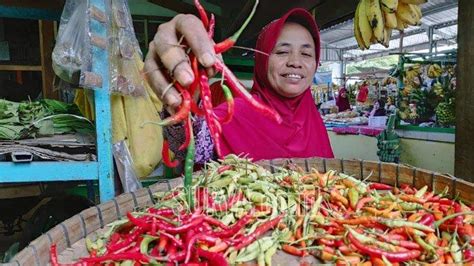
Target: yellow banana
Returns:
[357, 33]
[364, 25]
[407, 14]
[386, 37]
[400, 24]
[417, 10]
[390, 20]
[374, 14]
[389, 6]
[414, 2]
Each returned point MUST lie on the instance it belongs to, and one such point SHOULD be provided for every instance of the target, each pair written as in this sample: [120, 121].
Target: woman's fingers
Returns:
[167, 59]
[171, 54]
[197, 38]
[158, 81]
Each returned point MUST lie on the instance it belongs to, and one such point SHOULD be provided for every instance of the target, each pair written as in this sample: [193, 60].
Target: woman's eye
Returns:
[281, 52]
[307, 54]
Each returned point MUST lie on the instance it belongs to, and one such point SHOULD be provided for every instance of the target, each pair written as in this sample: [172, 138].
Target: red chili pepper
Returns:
[230, 105]
[188, 127]
[427, 219]
[362, 202]
[234, 229]
[292, 250]
[132, 237]
[229, 42]
[136, 256]
[201, 237]
[380, 186]
[140, 222]
[215, 222]
[183, 228]
[212, 25]
[202, 14]
[177, 242]
[212, 123]
[391, 256]
[53, 255]
[468, 255]
[238, 88]
[213, 258]
[163, 211]
[165, 154]
[229, 203]
[183, 111]
[224, 168]
[262, 229]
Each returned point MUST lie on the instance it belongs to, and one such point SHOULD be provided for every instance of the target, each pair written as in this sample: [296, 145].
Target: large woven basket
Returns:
[69, 235]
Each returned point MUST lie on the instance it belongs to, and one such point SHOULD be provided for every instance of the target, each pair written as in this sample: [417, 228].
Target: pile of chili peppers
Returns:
[243, 213]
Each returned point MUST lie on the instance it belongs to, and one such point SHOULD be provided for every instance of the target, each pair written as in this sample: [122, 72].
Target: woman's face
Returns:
[343, 94]
[292, 63]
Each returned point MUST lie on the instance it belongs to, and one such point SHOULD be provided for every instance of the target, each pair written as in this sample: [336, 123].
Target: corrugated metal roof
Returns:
[440, 14]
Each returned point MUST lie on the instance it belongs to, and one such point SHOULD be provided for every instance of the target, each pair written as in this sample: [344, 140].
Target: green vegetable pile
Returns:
[40, 118]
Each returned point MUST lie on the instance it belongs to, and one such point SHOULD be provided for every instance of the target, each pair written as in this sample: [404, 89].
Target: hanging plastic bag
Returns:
[125, 55]
[72, 53]
[124, 163]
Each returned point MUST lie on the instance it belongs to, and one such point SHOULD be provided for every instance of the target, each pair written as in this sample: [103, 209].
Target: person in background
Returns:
[363, 93]
[283, 75]
[342, 101]
[379, 108]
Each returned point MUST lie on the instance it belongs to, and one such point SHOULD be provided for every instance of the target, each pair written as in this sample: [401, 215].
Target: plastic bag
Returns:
[124, 163]
[72, 53]
[125, 55]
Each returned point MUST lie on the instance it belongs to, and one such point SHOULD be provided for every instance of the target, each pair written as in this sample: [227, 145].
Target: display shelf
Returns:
[102, 169]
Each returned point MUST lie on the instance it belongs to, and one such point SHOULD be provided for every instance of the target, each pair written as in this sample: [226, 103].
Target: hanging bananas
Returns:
[375, 19]
[434, 71]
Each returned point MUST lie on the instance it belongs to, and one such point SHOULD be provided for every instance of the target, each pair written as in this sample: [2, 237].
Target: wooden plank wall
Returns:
[464, 153]
[46, 32]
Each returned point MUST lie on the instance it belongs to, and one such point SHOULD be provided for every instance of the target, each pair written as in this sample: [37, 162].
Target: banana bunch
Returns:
[413, 72]
[389, 80]
[434, 71]
[438, 89]
[374, 20]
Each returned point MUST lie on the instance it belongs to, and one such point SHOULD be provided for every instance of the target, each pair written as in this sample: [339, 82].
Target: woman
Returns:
[342, 101]
[282, 80]
[379, 108]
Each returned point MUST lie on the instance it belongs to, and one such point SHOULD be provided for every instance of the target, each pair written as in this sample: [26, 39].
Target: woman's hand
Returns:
[167, 59]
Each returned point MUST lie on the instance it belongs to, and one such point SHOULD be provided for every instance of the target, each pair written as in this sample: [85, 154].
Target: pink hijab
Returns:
[301, 134]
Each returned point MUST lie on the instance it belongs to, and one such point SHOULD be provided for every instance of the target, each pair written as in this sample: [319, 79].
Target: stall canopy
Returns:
[437, 30]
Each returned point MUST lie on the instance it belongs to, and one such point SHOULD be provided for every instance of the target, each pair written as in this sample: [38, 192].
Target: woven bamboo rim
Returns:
[69, 235]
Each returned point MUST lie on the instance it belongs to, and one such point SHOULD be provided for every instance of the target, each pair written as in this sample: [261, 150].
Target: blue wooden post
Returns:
[100, 65]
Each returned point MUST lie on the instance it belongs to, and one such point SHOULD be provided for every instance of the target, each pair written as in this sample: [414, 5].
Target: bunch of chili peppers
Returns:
[331, 216]
[200, 87]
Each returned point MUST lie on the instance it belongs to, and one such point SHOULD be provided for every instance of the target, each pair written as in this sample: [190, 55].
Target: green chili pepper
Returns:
[189, 167]
[424, 245]
[353, 197]
[147, 239]
[421, 192]
[455, 250]
[255, 197]
[403, 223]
[244, 180]
[252, 251]
[410, 206]
[269, 254]
[221, 183]
[360, 186]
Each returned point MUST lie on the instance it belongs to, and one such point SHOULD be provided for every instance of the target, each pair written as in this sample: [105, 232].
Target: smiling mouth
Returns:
[293, 76]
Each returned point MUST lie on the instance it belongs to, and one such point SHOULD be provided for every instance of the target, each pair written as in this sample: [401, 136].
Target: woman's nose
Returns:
[294, 60]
